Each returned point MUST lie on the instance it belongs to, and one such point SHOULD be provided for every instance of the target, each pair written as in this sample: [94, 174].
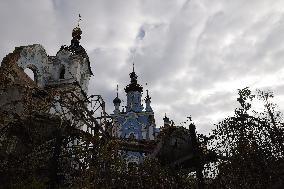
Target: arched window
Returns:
[132, 136]
[30, 73]
[62, 73]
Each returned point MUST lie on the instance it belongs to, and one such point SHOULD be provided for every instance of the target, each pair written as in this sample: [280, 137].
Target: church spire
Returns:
[117, 90]
[76, 34]
[166, 121]
[79, 20]
[134, 93]
[148, 102]
[133, 86]
[116, 101]
[133, 75]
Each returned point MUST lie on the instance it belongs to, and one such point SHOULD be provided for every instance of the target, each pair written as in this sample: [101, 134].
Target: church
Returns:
[135, 122]
[70, 70]
[55, 110]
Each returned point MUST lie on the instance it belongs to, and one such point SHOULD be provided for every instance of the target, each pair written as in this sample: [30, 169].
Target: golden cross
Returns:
[79, 20]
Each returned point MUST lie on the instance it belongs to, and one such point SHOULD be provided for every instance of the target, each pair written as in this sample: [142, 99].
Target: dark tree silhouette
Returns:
[250, 146]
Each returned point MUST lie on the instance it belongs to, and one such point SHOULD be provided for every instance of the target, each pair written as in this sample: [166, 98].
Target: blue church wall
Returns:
[132, 124]
[137, 122]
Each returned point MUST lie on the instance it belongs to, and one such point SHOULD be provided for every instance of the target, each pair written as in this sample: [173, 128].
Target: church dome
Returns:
[133, 86]
[76, 33]
[116, 100]
[75, 47]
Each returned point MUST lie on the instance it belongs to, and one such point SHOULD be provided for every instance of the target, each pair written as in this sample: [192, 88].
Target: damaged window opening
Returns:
[30, 73]
[62, 73]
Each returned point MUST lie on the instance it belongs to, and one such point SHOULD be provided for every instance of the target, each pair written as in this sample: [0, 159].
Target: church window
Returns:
[32, 71]
[132, 136]
[62, 73]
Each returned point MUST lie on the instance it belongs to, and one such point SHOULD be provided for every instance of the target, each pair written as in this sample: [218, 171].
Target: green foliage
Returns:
[250, 146]
[112, 171]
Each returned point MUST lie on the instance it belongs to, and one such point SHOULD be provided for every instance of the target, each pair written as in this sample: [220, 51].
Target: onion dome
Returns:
[75, 47]
[116, 100]
[76, 33]
[133, 86]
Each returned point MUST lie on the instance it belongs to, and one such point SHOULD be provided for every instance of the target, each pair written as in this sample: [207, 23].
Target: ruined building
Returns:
[68, 70]
[34, 126]
[48, 126]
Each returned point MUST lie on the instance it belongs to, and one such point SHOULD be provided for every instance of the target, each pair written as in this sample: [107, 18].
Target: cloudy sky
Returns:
[193, 54]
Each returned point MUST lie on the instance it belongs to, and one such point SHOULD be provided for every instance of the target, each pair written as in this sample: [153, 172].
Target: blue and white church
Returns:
[135, 122]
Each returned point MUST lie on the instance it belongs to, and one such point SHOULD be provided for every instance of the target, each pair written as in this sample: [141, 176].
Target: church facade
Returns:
[70, 65]
[135, 123]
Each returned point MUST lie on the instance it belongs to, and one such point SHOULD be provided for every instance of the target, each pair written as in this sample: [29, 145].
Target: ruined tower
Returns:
[69, 69]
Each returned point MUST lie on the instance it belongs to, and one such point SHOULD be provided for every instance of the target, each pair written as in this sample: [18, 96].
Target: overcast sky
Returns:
[193, 55]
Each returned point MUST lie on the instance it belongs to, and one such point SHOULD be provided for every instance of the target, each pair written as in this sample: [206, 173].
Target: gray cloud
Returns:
[194, 55]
